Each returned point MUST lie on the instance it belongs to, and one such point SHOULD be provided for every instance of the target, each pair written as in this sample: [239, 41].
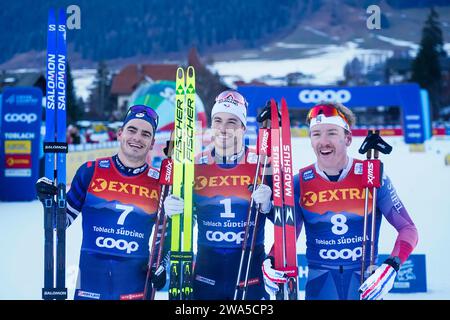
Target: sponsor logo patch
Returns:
[104, 164]
[308, 175]
[153, 173]
[358, 168]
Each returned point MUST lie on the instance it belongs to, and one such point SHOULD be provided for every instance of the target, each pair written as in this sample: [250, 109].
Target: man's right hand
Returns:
[45, 188]
[272, 277]
[173, 205]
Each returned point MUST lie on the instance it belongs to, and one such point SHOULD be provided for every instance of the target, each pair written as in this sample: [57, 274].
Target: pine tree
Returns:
[100, 103]
[426, 69]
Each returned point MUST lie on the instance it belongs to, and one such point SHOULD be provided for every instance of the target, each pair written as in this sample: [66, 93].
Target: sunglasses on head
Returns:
[327, 111]
[233, 97]
[144, 109]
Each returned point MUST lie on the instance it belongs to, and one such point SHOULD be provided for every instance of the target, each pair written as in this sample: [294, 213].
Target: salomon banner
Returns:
[20, 143]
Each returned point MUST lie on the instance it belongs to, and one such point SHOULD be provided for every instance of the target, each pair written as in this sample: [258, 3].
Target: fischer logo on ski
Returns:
[181, 254]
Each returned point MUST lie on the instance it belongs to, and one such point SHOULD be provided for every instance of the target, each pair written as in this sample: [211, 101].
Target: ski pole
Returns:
[252, 244]
[372, 176]
[166, 180]
[263, 149]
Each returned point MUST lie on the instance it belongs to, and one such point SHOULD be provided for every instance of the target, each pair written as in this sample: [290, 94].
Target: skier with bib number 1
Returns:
[223, 173]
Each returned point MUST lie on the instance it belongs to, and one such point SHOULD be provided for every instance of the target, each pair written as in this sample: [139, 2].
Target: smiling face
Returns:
[228, 132]
[330, 144]
[136, 140]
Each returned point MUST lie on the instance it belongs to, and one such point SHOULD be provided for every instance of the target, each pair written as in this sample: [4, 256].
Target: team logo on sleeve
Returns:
[358, 168]
[104, 164]
[153, 173]
[252, 157]
[308, 175]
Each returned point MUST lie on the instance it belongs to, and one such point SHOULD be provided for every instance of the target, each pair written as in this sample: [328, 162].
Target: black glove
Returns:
[45, 188]
[159, 277]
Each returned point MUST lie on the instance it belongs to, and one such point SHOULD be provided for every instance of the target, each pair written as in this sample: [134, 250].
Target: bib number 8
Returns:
[339, 226]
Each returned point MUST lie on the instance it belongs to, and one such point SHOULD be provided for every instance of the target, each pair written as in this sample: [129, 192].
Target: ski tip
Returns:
[180, 73]
[190, 71]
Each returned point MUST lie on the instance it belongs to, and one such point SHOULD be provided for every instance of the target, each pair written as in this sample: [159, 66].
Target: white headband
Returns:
[238, 110]
[321, 119]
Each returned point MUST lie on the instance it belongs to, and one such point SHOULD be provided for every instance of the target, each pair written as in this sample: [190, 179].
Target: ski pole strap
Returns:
[56, 147]
[290, 271]
[372, 173]
[374, 141]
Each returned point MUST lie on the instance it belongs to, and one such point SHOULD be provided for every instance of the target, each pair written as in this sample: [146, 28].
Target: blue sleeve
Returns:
[78, 189]
[298, 208]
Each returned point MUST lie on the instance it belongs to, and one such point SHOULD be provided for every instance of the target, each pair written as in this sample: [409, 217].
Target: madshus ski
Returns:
[285, 252]
[55, 149]
[181, 254]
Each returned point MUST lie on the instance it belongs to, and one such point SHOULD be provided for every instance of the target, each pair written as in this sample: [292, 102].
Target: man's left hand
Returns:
[380, 282]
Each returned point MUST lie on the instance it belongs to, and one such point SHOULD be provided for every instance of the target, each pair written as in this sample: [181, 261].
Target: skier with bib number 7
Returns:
[329, 200]
[118, 197]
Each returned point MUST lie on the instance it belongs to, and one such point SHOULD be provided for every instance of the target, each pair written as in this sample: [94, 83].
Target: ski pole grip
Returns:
[264, 142]
[166, 172]
[372, 173]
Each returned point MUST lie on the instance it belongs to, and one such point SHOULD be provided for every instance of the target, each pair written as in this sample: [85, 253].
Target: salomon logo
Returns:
[315, 96]
[121, 244]
[346, 254]
[20, 117]
[227, 236]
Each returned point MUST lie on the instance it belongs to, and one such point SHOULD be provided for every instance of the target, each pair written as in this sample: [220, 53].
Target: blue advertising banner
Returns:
[20, 143]
[406, 96]
[410, 278]
[412, 274]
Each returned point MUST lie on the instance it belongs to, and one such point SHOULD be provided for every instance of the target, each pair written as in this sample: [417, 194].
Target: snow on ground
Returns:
[399, 43]
[325, 64]
[422, 181]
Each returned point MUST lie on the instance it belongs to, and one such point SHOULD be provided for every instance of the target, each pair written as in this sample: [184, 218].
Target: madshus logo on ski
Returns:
[308, 175]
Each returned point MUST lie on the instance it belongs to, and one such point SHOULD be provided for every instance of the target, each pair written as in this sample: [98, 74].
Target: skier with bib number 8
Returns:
[329, 200]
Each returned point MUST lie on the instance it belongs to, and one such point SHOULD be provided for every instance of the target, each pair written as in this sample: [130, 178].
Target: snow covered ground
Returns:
[422, 181]
[325, 64]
